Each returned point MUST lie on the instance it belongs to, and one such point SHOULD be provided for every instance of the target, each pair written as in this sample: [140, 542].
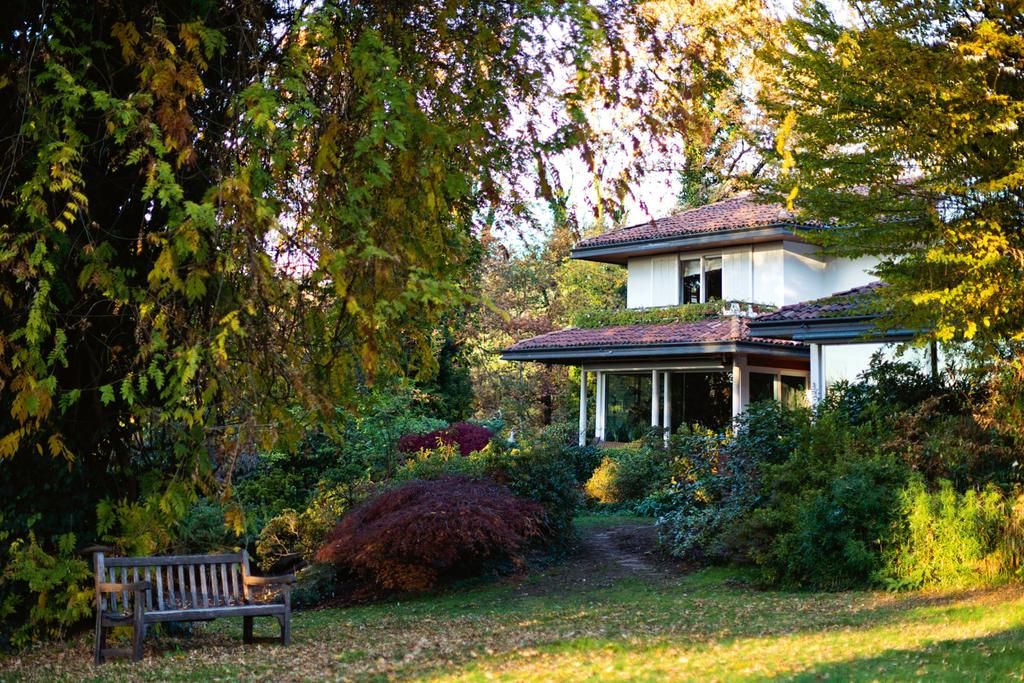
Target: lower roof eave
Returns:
[582, 354]
[859, 330]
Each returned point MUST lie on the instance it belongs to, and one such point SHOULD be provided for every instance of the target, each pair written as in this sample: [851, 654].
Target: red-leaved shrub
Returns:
[423, 532]
[466, 435]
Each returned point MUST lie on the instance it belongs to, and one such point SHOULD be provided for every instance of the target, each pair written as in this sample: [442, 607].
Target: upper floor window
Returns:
[700, 279]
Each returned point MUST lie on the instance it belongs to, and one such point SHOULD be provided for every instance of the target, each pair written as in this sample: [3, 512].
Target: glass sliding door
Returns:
[627, 406]
[701, 398]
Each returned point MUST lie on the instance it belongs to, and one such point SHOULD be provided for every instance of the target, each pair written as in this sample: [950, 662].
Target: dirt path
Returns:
[606, 553]
[632, 547]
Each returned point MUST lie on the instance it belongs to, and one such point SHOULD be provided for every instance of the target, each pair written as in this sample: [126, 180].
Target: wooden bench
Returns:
[139, 591]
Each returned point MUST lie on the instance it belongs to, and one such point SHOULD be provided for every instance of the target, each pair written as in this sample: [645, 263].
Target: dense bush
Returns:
[564, 437]
[704, 515]
[541, 471]
[468, 437]
[443, 461]
[835, 537]
[60, 583]
[293, 536]
[205, 530]
[820, 503]
[424, 532]
[955, 540]
[631, 474]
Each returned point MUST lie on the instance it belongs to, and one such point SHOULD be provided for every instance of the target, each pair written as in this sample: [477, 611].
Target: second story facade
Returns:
[736, 250]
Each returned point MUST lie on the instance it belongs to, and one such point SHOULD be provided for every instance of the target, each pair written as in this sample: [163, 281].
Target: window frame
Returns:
[778, 374]
[703, 259]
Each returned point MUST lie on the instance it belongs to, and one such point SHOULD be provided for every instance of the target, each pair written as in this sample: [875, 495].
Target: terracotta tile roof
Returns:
[742, 211]
[851, 302]
[712, 330]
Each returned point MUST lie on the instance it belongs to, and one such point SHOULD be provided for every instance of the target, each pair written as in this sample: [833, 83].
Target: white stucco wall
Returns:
[803, 273]
[848, 361]
[638, 283]
[843, 274]
[774, 273]
[737, 276]
[769, 285]
[665, 280]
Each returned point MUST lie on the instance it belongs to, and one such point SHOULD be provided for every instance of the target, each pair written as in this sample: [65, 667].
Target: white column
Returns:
[739, 384]
[655, 393]
[817, 383]
[599, 407]
[666, 415]
[583, 407]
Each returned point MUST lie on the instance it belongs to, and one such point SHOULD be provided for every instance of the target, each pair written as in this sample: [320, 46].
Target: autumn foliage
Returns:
[425, 532]
[467, 436]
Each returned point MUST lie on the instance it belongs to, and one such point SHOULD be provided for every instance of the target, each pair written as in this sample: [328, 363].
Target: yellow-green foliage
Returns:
[59, 584]
[603, 485]
[631, 474]
[955, 540]
[301, 533]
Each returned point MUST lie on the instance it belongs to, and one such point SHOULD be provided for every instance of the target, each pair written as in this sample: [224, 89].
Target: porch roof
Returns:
[844, 317]
[702, 226]
[681, 339]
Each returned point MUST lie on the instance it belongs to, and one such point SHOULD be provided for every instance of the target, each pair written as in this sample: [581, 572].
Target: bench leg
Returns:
[138, 631]
[286, 628]
[247, 630]
[100, 641]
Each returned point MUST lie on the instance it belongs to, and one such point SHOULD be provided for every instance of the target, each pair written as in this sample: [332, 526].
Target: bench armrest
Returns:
[269, 580]
[124, 587]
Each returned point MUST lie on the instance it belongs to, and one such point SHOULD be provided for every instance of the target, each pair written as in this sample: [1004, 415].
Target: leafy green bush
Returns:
[442, 461]
[314, 585]
[540, 472]
[205, 530]
[837, 535]
[662, 314]
[955, 540]
[704, 515]
[59, 583]
[564, 436]
[298, 535]
[631, 474]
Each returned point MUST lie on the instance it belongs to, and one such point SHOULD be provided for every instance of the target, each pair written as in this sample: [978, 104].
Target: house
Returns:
[705, 368]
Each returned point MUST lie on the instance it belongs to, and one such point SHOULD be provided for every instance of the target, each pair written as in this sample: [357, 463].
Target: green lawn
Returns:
[591, 619]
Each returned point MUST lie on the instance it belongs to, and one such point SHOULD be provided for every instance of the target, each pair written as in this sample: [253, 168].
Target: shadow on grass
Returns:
[996, 656]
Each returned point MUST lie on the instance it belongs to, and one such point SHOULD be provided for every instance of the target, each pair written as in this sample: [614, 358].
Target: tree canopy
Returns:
[900, 123]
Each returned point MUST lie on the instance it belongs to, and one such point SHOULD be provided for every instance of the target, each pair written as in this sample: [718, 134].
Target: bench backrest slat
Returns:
[158, 587]
[182, 588]
[192, 585]
[214, 580]
[171, 560]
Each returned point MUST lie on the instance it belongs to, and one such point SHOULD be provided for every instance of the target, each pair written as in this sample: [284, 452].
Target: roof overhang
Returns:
[577, 355]
[848, 330]
[621, 252]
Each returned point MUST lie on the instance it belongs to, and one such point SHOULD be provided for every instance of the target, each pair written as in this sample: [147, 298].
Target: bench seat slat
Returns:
[267, 609]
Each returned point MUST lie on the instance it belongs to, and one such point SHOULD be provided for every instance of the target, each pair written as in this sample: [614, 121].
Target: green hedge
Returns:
[667, 314]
